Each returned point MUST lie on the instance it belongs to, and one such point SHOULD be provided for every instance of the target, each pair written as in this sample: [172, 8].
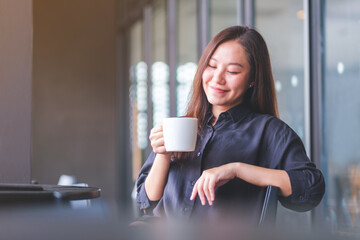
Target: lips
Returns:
[218, 90]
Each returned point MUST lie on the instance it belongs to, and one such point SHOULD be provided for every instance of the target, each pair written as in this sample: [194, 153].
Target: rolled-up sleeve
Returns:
[141, 198]
[307, 182]
[308, 187]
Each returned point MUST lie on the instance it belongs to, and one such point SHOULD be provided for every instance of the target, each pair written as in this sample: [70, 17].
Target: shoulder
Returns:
[268, 120]
[271, 125]
[277, 136]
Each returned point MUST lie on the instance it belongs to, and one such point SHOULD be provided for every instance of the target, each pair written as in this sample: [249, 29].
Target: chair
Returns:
[268, 213]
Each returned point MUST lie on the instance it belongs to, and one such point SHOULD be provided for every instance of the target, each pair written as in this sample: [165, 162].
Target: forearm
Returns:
[264, 177]
[156, 180]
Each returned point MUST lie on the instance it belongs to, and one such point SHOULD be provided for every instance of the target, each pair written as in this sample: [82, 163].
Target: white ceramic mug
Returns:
[180, 134]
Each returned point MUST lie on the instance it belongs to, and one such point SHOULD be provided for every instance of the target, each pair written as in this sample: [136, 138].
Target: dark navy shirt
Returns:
[239, 135]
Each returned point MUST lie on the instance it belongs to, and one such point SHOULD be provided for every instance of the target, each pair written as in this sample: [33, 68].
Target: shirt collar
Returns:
[235, 113]
[208, 117]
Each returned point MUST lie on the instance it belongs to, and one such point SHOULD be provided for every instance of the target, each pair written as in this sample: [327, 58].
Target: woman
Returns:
[242, 146]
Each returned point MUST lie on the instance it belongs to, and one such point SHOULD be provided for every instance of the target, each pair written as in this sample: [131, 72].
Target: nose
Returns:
[219, 76]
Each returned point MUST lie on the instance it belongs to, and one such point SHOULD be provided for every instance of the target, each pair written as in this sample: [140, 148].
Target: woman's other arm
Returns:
[259, 176]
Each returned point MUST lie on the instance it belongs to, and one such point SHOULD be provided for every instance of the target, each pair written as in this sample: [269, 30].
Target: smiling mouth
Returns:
[218, 90]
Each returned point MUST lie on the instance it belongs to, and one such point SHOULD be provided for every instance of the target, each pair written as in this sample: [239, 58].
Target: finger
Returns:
[201, 191]
[159, 129]
[206, 190]
[158, 142]
[158, 145]
[153, 131]
[194, 192]
[155, 135]
[196, 189]
[160, 150]
[156, 129]
[212, 189]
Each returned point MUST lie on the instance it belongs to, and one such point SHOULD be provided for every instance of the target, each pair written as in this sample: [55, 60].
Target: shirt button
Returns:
[185, 209]
[301, 198]
[193, 183]
[198, 154]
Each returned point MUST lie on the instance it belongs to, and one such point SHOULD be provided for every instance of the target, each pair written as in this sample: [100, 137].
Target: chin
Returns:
[214, 101]
[218, 103]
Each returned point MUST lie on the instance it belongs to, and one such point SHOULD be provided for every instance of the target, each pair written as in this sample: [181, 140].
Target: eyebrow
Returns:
[232, 63]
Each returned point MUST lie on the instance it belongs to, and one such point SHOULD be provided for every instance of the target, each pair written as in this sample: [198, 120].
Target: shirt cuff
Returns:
[299, 197]
[145, 204]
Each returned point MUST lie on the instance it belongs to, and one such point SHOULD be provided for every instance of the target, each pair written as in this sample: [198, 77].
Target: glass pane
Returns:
[341, 128]
[138, 98]
[223, 14]
[287, 55]
[159, 68]
[286, 49]
[186, 57]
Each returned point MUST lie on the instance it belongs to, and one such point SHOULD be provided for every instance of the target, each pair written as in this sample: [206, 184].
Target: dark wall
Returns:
[16, 31]
[74, 92]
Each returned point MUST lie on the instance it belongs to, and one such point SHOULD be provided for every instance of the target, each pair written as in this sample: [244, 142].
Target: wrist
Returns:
[163, 157]
[234, 169]
[237, 169]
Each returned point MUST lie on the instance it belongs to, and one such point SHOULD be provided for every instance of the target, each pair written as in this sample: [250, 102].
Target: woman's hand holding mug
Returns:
[157, 140]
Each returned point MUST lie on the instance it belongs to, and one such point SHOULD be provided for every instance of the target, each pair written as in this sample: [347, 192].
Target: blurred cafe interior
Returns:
[83, 81]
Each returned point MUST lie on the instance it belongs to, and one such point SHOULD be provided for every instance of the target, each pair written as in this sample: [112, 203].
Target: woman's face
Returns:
[226, 78]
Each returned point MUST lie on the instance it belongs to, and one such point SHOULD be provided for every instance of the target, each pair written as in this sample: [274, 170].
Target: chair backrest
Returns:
[268, 213]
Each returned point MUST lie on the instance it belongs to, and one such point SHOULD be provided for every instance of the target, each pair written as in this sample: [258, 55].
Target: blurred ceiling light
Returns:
[294, 81]
[278, 86]
[300, 14]
[340, 67]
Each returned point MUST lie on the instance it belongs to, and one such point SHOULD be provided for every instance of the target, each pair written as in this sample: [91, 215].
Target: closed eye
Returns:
[233, 73]
[211, 66]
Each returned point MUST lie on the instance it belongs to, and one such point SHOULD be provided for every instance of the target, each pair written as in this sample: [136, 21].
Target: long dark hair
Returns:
[261, 97]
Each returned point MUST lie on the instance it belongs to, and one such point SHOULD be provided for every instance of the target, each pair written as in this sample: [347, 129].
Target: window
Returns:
[159, 68]
[138, 98]
[186, 53]
[341, 125]
[282, 25]
[223, 14]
